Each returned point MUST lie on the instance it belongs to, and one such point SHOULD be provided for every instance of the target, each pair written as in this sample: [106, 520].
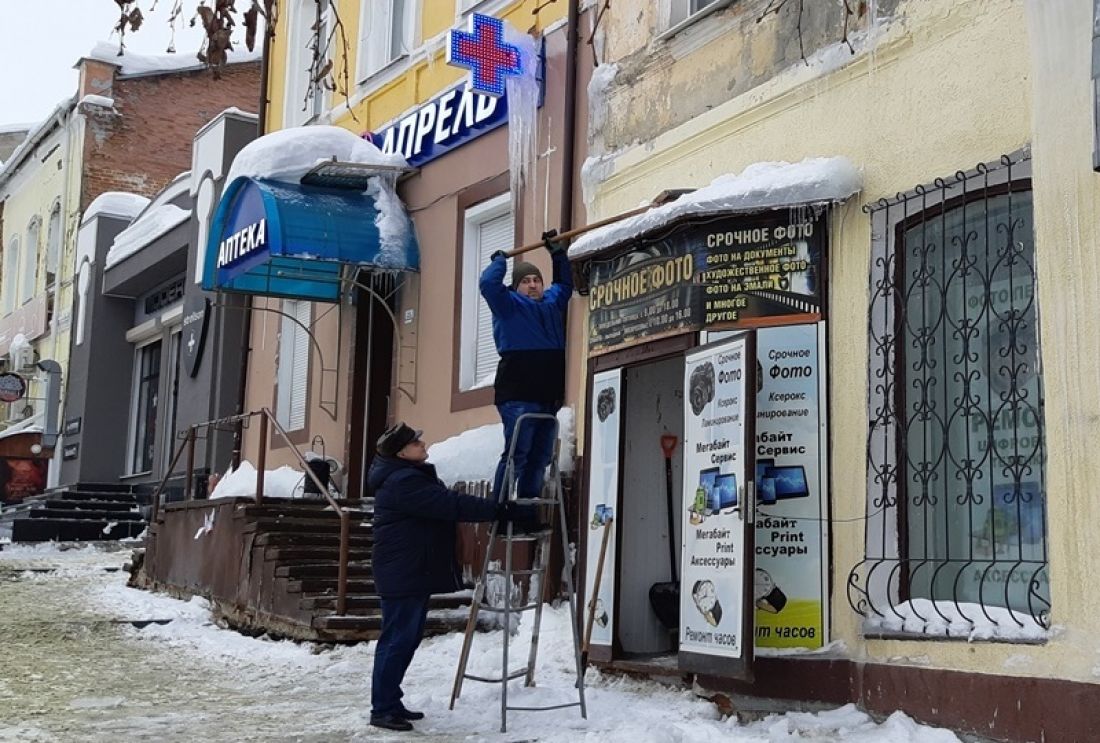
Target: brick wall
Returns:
[146, 140]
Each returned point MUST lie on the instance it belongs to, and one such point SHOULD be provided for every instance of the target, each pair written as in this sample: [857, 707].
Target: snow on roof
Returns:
[12, 128]
[152, 224]
[30, 424]
[288, 154]
[97, 100]
[35, 135]
[472, 455]
[130, 63]
[761, 186]
[116, 204]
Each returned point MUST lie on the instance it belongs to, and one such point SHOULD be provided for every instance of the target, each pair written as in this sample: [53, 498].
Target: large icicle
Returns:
[523, 108]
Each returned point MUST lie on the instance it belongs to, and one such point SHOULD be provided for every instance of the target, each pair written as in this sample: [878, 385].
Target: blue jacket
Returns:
[529, 335]
[414, 528]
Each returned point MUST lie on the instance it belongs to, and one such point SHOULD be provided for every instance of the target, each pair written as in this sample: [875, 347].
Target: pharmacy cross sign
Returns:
[483, 51]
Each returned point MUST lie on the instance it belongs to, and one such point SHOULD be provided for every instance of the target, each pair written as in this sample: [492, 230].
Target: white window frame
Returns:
[292, 365]
[381, 36]
[135, 391]
[677, 14]
[11, 273]
[29, 273]
[301, 15]
[476, 361]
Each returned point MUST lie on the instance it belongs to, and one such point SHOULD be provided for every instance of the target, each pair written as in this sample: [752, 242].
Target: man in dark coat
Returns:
[529, 332]
[413, 557]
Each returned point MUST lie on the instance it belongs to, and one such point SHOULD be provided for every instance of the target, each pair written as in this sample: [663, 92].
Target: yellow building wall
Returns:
[949, 88]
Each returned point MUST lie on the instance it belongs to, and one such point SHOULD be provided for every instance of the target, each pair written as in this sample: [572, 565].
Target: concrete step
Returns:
[323, 570]
[328, 586]
[82, 504]
[312, 525]
[314, 554]
[78, 514]
[311, 539]
[361, 604]
[71, 530]
[90, 495]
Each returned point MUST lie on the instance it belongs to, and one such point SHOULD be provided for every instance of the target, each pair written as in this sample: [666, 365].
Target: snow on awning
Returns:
[273, 235]
[32, 424]
[759, 187]
[152, 225]
[116, 204]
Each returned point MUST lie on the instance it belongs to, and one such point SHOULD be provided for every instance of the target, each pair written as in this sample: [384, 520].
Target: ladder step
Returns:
[530, 537]
[545, 709]
[492, 571]
[488, 680]
[501, 609]
[537, 501]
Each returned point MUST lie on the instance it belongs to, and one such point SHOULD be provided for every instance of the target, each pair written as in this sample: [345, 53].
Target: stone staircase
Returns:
[76, 513]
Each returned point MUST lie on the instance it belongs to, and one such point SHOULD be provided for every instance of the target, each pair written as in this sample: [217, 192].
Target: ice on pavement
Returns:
[189, 679]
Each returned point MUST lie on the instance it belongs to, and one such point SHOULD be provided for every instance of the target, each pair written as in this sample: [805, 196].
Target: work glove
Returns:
[498, 254]
[554, 247]
[506, 512]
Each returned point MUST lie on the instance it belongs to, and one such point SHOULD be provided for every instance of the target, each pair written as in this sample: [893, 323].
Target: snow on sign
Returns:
[484, 52]
[12, 387]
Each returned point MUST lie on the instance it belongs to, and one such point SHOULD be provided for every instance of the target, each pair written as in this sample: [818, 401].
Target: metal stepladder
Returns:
[552, 497]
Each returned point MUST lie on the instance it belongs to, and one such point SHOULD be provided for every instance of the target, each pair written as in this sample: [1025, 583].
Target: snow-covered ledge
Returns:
[759, 187]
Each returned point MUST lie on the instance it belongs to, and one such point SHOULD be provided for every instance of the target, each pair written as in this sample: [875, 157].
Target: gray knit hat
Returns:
[521, 270]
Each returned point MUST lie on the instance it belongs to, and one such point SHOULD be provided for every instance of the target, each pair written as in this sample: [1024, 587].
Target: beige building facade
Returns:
[955, 478]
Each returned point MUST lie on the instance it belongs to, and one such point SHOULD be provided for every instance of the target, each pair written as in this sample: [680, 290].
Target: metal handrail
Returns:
[266, 416]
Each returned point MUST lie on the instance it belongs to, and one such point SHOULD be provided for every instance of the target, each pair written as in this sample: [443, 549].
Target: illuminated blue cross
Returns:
[483, 51]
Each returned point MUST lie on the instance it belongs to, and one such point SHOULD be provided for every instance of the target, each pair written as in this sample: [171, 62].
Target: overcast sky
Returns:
[43, 39]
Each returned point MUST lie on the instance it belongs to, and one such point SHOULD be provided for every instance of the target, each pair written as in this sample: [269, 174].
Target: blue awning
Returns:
[286, 240]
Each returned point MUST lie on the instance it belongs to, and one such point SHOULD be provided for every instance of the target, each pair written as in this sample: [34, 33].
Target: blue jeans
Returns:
[534, 447]
[402, 629]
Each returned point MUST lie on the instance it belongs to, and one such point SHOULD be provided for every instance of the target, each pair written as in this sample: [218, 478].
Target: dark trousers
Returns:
[402, 629]
[534, 447]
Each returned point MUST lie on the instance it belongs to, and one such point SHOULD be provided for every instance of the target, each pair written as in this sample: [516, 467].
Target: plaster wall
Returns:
[943, 86]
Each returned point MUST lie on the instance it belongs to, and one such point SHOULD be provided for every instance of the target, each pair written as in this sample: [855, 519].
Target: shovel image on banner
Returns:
[665, 597]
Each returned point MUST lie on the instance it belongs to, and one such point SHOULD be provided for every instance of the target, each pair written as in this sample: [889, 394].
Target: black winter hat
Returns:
[521, 269]
[396, 438]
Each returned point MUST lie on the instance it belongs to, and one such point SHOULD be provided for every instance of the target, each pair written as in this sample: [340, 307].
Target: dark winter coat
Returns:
[414, 528]
[529, 335]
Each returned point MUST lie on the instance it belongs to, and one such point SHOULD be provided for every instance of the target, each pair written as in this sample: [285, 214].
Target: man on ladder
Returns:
[529, 332]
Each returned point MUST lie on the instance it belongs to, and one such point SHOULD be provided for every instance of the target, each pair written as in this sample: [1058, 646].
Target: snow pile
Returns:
[761, 186]
[285, 482]
[472, 455]
[152, 224]
[149, 64]
[19, 345]
[288, 154]
[946, 618]
[116, 204]
[97, 100]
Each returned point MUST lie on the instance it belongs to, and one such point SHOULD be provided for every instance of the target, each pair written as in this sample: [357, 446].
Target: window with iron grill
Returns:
[956, 530]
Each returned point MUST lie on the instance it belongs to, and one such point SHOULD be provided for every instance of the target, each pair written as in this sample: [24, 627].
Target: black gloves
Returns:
[554, 247]
[511, 510]
[498, 254]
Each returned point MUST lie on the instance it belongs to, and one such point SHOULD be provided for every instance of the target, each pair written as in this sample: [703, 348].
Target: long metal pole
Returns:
[261, 460]
[581, 230]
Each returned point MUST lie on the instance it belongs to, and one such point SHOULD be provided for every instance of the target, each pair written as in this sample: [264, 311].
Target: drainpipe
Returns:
[570, 115]
[246, 338]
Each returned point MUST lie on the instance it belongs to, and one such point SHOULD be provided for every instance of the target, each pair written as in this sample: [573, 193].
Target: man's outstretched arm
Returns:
[492, 285]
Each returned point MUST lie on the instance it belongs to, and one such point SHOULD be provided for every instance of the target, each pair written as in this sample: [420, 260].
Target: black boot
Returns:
[392, 721]
[409, 714]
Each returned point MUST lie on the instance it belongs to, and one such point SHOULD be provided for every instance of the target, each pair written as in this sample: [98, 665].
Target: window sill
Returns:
[693, 19]
[386, 73]
[134, 475]
[928, 637]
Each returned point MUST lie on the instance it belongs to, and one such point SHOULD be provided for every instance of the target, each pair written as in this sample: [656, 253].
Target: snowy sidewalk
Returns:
[83, 663]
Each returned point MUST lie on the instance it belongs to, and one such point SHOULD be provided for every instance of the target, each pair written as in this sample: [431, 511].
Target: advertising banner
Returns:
[20, 478]
[715, 541]
[603, 490]
[789, 586]
[729, 272]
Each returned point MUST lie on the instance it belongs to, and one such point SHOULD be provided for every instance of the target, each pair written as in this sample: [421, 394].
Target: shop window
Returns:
[956, 455]
[683, 11]
[292, 367]
[146, 401]
[11, 273]
[175, 345]
[385, 33]
[30, 259]
[307, 40]
[489, 227]
[53, 244]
